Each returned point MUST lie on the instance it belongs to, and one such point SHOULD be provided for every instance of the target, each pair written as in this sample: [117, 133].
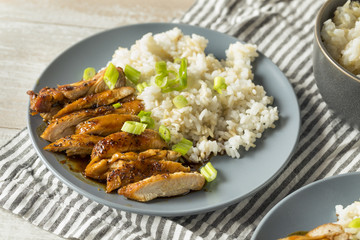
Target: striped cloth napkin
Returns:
[283, 31]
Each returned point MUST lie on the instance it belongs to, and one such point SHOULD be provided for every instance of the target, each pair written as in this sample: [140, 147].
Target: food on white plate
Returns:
[341, 36]
[154, 110]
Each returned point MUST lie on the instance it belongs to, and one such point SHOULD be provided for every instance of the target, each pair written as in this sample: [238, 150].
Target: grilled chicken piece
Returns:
[105, 125]
[100, 168]
[87, 87]
[134, 171]
[127, 142]
[47, 116]
[132, 107]
[96, 100]
[331, 231]
[45, 99]
[157, 154]
[163, 185]
[328, 231]
[49, 97]
[81, 144]
[65, 126]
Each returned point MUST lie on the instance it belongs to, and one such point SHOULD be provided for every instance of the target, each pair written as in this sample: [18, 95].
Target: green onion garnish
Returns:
[355, 223]
[183, 73]
[143, 113]
[89, 73]
[183, 146]
[180, 101]
[164, 133]
[133, 127]
[209, 172]
[141, 86]
[145, 118]
[160, 67]
[111, 76]
[219, 84]
[169, 80]
[132, 74]
[148, 120]
[117, 105]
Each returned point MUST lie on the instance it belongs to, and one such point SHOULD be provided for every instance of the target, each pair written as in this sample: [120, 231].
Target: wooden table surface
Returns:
[32, 34]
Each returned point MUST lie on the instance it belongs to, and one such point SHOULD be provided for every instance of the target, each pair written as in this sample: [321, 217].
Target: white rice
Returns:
[346, 215]
[341, 36]
[216, 123]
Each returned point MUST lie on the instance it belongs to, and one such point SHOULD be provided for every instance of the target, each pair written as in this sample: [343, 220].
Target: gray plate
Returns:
[309, 207]
[237, 178]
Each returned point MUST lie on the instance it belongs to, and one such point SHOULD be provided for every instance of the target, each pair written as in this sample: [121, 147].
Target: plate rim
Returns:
[149, 211]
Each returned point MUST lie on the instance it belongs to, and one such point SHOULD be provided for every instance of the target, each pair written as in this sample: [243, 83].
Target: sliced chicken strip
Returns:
[45, 99]
[81, 144]
[127, 142]
[87, 87]
[65, 126]
[325, 230]
[47, 117]
[328, 231]
[163, 185]
[104, 125]
[131, 107]
[134, 171]
[100, 168]
[96, 100]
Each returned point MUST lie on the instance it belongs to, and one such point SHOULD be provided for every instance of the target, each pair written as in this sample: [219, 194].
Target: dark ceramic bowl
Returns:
[339, 87]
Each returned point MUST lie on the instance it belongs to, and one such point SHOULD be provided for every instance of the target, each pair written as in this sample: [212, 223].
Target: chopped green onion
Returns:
[209, 172]
[132, 74]
[164, 133]
[161, 80]
[355, 223]
[180, 101]
[143, 113]
[89, 73]
[117, 105]
[183, 73]
[133, 127]
[111, 76]
[148, 120]
[183, 146]
[160, 67]
[141, 86]
[145, 118]
[169, 80]
[219, 84]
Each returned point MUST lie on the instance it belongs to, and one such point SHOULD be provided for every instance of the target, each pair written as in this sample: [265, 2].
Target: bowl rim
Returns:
[317, 33]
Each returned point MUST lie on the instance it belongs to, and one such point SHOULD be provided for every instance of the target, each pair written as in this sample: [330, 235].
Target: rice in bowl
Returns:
[348, 214]
[341, 36]
[216, 123]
